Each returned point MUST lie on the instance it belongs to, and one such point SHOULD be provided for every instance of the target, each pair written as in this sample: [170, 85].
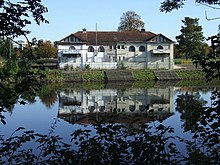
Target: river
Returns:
[67, 109]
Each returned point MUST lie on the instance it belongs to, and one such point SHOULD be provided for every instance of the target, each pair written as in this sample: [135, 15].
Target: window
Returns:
[119, 47]
[71, 39]
[72, 48]
[160, 47]
[131, 49]
[110, 47]
[141, 49]
[122, 46]
[101, 49]
[90, 49]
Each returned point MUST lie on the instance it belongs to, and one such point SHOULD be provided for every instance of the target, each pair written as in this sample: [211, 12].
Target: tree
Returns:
[130, 21]
[46, 50]
[16, 16]
[169, 5]
[191, 39]
[210, 64]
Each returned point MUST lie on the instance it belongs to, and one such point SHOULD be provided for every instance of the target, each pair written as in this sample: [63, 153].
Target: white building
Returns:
[110, 50]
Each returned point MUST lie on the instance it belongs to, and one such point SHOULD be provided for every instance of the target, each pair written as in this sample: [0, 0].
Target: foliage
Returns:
[211, 63]
[191, 38]
[46, 50]
[169, 5]
[14, 19]
[16, 16]
[112, 144]
[130, 21]
[203, 122]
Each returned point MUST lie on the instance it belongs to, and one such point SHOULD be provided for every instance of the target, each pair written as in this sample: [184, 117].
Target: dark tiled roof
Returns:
[106, 37]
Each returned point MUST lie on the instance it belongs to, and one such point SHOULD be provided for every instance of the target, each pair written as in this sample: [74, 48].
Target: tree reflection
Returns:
[24, 92]
[204, 122]
[190, 105]
[48, 95]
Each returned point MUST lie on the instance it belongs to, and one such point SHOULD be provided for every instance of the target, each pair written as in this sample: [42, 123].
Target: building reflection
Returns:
[115, 106]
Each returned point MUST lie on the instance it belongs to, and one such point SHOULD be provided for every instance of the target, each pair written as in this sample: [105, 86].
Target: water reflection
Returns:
[115, 105]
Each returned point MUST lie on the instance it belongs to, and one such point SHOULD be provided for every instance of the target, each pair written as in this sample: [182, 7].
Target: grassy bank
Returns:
[190, 74]
[143, 75]
[99, 75]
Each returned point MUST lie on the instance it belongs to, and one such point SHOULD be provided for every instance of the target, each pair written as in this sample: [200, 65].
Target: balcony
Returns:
[161, 51]
[71, 52]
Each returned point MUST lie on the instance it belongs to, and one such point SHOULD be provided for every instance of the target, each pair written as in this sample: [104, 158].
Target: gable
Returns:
[71, 38]
[160, 39]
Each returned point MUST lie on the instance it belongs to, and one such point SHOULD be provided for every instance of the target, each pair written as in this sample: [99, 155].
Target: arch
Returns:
[132, 108]
[90, 49]
[72, 48]
[101, 49]
[132, 49]
[142, 48]
[160, 47]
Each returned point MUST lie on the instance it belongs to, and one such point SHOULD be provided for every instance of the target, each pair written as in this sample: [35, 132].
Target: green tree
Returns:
[210, 64]
[130, 21]
[191, 38]
[46, 50]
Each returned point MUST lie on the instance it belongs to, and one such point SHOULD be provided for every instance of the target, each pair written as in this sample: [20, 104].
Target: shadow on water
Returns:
[124, 124]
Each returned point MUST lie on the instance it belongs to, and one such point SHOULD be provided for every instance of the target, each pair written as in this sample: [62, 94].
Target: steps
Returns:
[162, 75]
[118, 75]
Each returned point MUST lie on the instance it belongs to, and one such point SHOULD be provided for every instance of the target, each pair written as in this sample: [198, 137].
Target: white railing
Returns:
[161, 51]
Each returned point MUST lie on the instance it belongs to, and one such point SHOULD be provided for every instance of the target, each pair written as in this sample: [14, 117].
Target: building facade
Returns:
[112, 50]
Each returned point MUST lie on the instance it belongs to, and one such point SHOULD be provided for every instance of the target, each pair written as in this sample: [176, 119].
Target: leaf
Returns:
[19, 128]
[22, 102]
[3, 121]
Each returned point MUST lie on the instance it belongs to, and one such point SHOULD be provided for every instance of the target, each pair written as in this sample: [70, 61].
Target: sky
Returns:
[69, 16]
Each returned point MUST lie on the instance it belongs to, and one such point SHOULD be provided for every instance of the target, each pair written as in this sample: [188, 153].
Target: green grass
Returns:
[191, 75]
[90, 76]
[143, 75]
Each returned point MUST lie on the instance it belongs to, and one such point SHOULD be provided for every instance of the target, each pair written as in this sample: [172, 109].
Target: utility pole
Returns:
[115, 46]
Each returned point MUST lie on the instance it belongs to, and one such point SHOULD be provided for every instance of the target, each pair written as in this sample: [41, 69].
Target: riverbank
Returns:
[120, 75]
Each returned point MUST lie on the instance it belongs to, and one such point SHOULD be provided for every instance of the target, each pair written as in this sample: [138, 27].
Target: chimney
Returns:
[84, 30]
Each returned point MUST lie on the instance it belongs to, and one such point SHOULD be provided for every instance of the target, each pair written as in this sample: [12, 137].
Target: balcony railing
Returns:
[71, 51]
[161, 51]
